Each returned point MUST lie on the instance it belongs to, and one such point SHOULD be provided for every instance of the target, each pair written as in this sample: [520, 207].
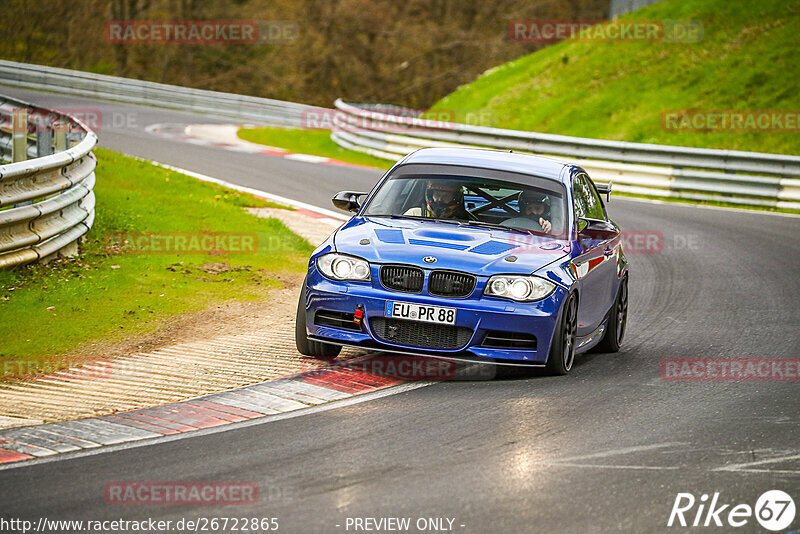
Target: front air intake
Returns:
[421, 335]
[405, 278]
[498, 339]
[450, 284]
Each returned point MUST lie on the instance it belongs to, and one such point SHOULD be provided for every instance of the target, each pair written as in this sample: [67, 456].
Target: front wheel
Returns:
[617, 320]
[309, 347]
[562, 349]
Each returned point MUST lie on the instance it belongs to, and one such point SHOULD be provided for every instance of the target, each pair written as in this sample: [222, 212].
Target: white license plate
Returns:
[420, 312]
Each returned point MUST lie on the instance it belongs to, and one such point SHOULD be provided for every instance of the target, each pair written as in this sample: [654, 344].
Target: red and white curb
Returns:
[248, 403]
[342, 383]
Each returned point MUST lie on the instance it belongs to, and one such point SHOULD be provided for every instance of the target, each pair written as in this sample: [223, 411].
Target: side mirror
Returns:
[605, 189]
[347, 200]
[596, 230]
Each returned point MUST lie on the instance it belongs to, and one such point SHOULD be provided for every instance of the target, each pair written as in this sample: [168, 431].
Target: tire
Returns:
[309, 347]
[562, 349]
[617, 321]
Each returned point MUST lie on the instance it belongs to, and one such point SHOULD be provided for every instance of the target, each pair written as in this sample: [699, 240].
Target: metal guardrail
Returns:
[748, 178]
[46, 203]
[227, 105]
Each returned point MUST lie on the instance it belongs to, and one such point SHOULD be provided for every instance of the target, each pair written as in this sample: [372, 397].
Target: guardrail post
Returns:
[60, 135]
[19, 135]
[44, 142]
[44, 147]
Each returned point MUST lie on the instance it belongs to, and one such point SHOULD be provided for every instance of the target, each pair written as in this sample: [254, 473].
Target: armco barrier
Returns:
[748, 178]
[47, 202]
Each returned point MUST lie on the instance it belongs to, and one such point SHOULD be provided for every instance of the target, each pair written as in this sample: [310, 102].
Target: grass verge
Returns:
[109, 293]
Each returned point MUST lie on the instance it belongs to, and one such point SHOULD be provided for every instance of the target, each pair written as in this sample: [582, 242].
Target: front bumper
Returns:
[478, 313]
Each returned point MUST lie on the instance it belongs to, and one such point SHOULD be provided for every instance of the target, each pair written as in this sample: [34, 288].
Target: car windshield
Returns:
[471, 196]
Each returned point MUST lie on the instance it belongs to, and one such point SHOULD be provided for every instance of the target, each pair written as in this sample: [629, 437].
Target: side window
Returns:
[580, 198]
[595, 204]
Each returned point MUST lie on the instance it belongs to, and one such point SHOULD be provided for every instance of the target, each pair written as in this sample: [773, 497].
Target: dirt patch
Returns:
[216, 268]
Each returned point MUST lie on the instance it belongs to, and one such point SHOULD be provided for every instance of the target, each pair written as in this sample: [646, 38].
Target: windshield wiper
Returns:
[461, 222]
[420, 218]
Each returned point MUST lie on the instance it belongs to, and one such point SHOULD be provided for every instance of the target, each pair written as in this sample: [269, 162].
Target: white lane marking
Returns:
[741, 468]
[355, 399]
[771, 471]
[307, 158]
[617, 452]
[601, 466]
[247, 149]
[269, 196]
[745, 467]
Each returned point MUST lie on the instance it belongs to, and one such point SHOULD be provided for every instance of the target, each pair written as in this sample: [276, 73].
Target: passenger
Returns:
[535, 213]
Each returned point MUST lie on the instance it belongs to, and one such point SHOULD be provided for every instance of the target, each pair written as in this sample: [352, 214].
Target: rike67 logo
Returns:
[774, 510]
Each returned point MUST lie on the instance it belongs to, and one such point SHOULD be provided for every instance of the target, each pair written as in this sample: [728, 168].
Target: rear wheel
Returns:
[309, 347]
[617, 321]
[562, 349]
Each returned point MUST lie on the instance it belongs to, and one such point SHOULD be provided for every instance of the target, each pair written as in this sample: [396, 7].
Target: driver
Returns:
[444, 199]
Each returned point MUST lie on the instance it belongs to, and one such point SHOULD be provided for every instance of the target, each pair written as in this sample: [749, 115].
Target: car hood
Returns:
[481, 251]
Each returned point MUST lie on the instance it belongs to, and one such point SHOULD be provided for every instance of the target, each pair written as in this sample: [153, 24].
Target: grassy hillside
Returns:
[747, 60]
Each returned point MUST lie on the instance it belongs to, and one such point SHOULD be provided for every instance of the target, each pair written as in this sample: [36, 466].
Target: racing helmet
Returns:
[443, 197]
[528, 197]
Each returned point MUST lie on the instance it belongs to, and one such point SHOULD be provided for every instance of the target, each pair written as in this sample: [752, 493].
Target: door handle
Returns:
[608, 252]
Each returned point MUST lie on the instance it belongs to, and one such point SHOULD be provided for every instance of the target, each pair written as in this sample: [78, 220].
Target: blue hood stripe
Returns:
[490, 248]
[438, 244]
[390, 236]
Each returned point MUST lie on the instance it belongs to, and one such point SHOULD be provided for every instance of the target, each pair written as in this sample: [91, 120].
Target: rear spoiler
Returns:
[605, 189]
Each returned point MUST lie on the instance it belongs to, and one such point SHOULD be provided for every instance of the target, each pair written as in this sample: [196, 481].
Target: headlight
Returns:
[341, 267]
[519, 288]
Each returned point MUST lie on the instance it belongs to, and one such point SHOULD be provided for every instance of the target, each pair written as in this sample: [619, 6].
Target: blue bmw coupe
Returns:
[468, 252]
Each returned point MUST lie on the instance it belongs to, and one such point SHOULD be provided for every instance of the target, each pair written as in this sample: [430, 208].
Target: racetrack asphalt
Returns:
[604, 449]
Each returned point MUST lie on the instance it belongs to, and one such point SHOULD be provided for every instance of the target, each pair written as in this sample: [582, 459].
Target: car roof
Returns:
[489, 159]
